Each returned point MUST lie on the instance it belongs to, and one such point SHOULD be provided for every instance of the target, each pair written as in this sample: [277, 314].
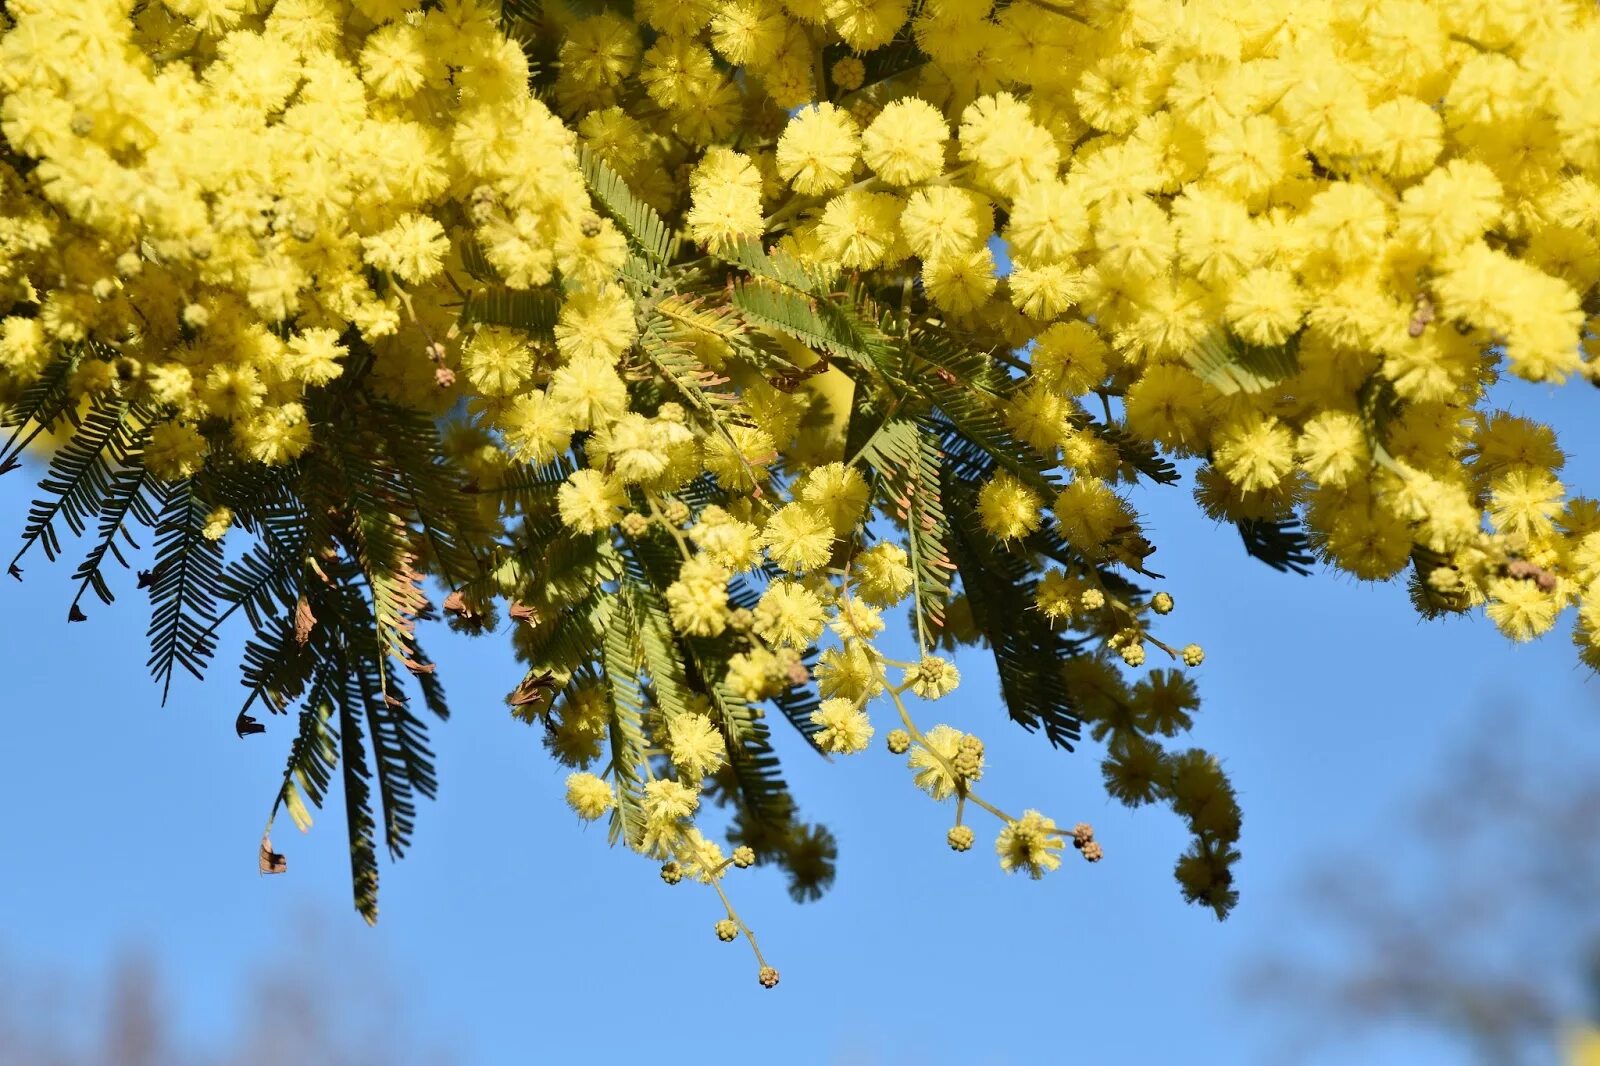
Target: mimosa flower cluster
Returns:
[755, 334]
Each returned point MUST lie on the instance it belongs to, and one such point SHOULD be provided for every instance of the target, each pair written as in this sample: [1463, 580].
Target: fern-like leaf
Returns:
[125, 500]
[1230, 365]
[45, 401]
[533, 311]
[625, 728]
[650, 236]
[186, 584]
[359, 824]
[1281, 544]
[78, 483]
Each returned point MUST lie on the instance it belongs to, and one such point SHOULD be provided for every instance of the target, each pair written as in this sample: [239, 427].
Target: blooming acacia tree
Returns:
[678, 332]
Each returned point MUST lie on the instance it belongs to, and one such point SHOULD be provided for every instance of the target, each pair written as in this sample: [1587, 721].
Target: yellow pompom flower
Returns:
[818, 149]
[413, 249]
[932, 760]
[1007, 508]
[535, 428]
[1089, 515]
[315, 355]
[1010, 150]
[1521, 609]
[589, 501]
[497, 361]
[933, 678]
[1332, 447]
[789, 615]
[1524, 502]
[852, 672]
[174, 451]
[855, 620]
[1030, 843]
[838, 492]
[1449, 209]
[882, 576]
[666, 800]
[1254, 453]
[945, 220]
[843, 727]
[725, 191]
[697, 749]
[959, 282]
[798, 538]
[733, 544]
[698, 601]
[1043, 292]
[589, 391]
[598, 324]
[1265, 306]
[589, 796]
[396, 61]
[866, 24]
[859, 229]
[905, 144]
[217, 523]
[1071, 357]
[275, 435]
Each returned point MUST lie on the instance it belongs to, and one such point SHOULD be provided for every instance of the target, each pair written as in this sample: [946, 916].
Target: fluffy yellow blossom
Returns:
[1030, 843]
[1255, 453]
[842, 727]
[818, 149]
[588, 796]
[698, 600]
[413, 249]
[697, 749]
[590, 501]
[934, 759]
[882, 576]
[905, 143]
[789, 615]
[798, 538]
[1089, 515]
[596, 324]
[1008, 508]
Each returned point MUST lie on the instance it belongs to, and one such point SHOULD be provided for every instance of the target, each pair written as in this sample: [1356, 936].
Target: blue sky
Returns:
[520, 937]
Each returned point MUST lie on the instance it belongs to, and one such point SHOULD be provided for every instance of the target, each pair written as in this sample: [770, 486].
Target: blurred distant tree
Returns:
[1474, 916]
[305, 1008]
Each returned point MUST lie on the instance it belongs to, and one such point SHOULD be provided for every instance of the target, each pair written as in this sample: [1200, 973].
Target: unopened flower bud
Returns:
[960, 837]
[1193, 655]
[1161, 603]
[676, 512]
[1092, 852]
[849, 73]
[727, 930]
[768, 977]
[899, 741]
[1082, 833]
[671, 873]
[744, 857]
[969, 757]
